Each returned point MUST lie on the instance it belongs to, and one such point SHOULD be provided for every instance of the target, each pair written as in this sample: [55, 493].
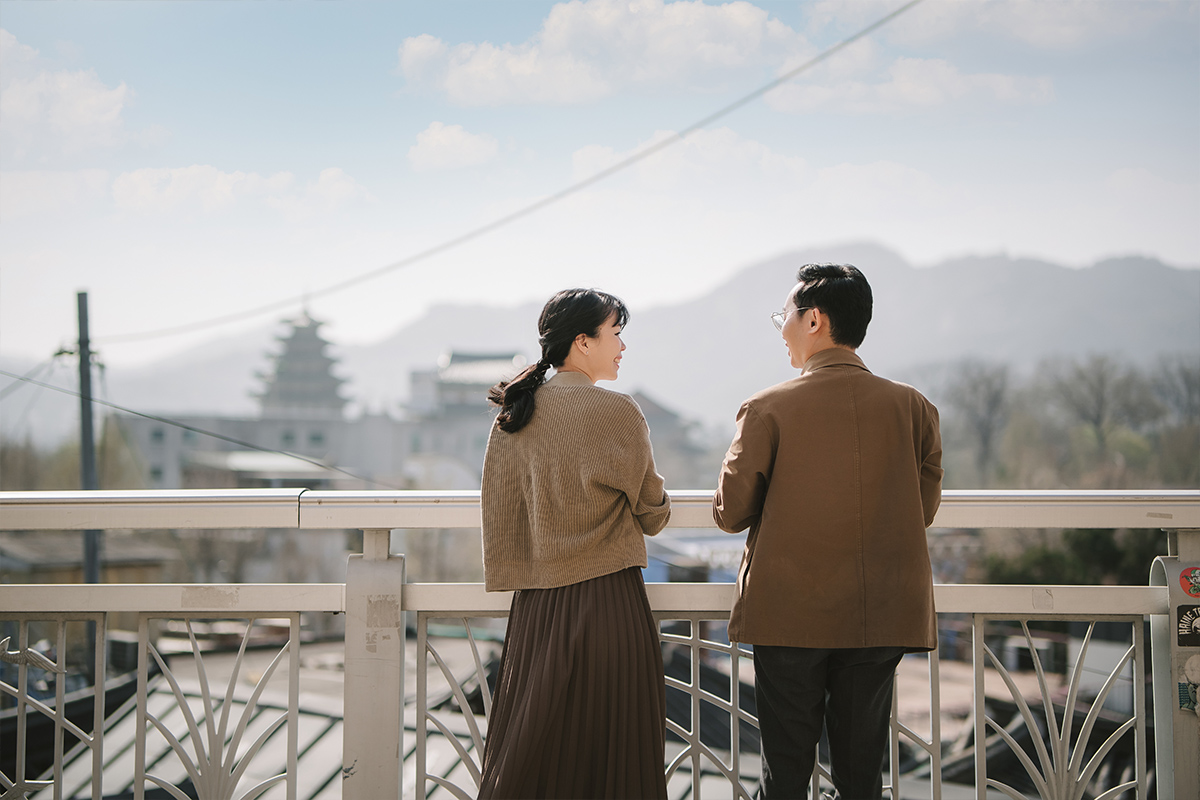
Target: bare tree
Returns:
[1177, 384]
[979, 393]
[1100, 393]
[20, 466]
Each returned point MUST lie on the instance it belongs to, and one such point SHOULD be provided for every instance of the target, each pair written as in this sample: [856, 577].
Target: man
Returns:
[837, 474]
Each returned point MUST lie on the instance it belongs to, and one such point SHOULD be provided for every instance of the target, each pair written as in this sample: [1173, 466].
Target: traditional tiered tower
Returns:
[303, 383]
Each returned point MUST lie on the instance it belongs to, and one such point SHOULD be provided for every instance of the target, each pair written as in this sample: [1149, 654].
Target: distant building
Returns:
[303, 384]
[57, 557]
[301, 412]
[449, 417]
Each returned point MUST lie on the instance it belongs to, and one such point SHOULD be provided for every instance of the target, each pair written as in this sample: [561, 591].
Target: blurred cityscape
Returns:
[1087, 422]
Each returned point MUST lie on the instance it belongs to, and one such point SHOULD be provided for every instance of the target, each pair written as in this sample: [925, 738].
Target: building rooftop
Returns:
[479, 369]
[254, 462]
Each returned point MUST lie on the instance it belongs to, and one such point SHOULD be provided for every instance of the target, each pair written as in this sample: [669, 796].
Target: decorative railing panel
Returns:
[44, 682]
[1058, 757]
[244, 742]
[215, 739]
[172, 725]
[1068, 747]
[719, 736]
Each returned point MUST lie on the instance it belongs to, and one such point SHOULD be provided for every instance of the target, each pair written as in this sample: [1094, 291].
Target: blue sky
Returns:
[186, 160]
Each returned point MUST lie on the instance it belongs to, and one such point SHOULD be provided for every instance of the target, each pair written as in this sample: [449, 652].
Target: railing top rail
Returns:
[298, 508]
[686, 598]
[259, 598]
[466, 598]
[157, 496]
[150, 509]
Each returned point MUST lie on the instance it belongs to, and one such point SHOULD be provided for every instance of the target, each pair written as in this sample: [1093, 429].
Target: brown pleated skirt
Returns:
[579, 709]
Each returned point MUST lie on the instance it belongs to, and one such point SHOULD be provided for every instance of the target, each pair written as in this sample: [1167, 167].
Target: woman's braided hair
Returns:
[565, 316]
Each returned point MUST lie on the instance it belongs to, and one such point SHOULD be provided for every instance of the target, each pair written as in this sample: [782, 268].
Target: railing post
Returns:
[372, 737]
[1175, 650]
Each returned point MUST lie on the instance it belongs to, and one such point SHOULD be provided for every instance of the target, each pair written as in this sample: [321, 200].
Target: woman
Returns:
[569, 490]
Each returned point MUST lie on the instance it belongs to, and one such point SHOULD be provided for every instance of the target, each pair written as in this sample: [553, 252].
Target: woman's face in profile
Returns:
[604, 351]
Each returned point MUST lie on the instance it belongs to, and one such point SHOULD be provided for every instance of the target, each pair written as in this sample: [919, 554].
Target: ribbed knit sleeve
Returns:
[570, 496]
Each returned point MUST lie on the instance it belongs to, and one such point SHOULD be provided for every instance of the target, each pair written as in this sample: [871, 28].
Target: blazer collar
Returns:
[834, 357]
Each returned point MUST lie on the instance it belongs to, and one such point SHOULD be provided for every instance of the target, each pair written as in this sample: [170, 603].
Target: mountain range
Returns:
[704, 354]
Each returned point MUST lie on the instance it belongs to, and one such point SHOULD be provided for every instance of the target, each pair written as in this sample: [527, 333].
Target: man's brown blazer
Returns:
[837, 473]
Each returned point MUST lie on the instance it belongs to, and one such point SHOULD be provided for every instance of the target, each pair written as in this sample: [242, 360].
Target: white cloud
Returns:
[332, 190]
[423, 59]
[443, 146]
[208, 189]
[14, 56]
[55, 112]
[1056, 24]
[910, 83]
[164, 190]
[590, 49]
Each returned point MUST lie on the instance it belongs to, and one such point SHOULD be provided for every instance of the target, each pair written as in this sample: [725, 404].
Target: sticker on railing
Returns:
[1188, 627]
[1189, 579]
[1187, 688]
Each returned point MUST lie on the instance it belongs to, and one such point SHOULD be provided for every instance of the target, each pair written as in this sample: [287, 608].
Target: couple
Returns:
[836, 473]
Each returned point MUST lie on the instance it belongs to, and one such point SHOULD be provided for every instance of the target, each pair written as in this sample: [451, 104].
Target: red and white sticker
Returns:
[1189, 579]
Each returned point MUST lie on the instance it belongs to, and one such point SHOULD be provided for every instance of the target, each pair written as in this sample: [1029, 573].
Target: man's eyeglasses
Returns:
[780, 317]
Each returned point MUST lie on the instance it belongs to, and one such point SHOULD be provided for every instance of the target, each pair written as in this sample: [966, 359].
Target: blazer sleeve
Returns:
[745, 473]
[931, 464]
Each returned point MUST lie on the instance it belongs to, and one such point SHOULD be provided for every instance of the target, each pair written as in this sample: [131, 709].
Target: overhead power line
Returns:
[15, 428]
[520, 213]
[194, 429]
[33, 373]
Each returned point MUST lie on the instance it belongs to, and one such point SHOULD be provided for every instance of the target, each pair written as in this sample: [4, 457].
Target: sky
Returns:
[184, 162]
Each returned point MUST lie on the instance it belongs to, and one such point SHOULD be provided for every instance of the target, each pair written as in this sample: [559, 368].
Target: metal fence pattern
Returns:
[214, 741]
[54, 670]
[236, 744]
[716, 752]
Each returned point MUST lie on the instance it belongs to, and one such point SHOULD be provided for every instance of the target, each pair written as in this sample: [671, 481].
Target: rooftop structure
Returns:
[460, 383]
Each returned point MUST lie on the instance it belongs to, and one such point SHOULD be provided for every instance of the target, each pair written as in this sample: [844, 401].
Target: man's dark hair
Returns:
[843, 294]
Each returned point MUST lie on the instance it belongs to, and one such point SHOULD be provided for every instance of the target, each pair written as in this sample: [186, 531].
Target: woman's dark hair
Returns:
[565, 316]
[842, 293]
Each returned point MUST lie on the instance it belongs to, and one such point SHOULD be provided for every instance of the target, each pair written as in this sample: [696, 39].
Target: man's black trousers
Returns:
[849, 691]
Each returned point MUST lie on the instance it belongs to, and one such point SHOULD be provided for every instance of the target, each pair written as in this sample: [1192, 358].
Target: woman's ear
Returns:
[581, 342]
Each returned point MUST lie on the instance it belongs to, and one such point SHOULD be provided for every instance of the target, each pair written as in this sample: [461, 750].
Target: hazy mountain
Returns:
[703, 356]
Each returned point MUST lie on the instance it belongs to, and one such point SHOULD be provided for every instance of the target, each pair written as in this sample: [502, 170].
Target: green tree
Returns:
[1083, 557]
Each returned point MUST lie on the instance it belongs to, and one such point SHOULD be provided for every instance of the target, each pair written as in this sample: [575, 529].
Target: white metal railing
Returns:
[375, 598]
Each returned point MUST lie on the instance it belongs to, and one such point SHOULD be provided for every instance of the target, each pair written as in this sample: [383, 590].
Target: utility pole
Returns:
[92, 541]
